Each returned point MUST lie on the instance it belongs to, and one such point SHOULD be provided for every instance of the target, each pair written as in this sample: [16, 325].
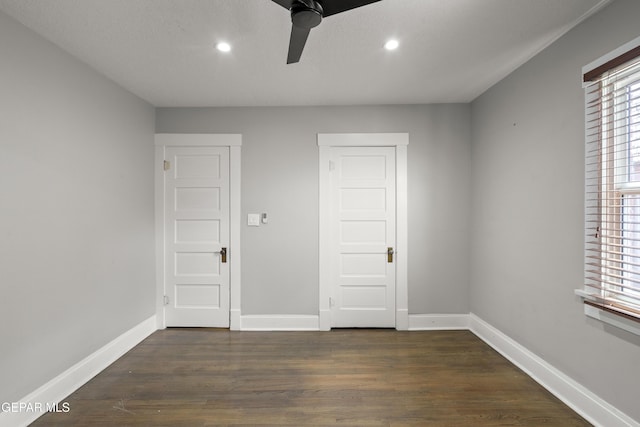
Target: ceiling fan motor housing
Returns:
[307, 14]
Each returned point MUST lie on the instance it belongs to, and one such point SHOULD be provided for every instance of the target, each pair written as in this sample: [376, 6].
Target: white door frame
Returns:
[399, 141]
[234, 142]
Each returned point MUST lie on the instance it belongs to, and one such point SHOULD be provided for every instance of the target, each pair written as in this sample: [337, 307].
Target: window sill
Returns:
[607, 317]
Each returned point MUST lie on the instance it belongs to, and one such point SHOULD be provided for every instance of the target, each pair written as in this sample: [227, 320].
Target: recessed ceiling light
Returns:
[223, 47]
[391, 44]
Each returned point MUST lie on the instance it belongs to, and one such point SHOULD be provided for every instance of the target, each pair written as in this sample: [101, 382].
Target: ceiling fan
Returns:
[307, 14]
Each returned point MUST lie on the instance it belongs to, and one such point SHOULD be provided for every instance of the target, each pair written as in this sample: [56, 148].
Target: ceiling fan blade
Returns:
[284, 3]
[296, 43]
[331, 7]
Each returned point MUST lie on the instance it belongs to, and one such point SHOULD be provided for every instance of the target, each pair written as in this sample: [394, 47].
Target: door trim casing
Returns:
[399, 141]
[234, 142]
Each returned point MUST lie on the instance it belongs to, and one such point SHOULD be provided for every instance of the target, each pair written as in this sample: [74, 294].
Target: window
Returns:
[612, 240]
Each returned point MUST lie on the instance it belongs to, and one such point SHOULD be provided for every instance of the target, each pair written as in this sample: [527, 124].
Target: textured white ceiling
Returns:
[163, 50]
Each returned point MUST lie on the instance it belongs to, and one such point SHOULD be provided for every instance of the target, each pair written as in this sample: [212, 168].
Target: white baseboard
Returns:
[73, 378]
[270, 322]
[273, 322]
[428, 322]
[577, 397]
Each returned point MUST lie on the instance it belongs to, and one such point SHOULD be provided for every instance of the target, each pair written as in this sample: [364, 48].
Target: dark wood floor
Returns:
[206, 377]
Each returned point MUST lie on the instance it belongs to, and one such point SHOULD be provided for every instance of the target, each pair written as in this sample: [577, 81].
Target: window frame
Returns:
[605, 297]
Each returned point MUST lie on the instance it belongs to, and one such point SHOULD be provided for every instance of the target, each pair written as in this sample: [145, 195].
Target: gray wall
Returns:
[76, 197]
[280, 177]
[527, 202]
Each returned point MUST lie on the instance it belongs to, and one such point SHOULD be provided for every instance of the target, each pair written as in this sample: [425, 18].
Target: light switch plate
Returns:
[253, 220]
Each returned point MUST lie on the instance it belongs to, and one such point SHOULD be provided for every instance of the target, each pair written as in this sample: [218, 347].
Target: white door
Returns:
[196, 217]
[362, 236]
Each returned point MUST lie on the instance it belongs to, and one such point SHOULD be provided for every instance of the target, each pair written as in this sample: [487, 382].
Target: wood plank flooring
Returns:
[352, 377]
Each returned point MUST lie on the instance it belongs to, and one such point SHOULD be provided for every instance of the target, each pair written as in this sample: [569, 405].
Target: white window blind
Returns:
[612, 186]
